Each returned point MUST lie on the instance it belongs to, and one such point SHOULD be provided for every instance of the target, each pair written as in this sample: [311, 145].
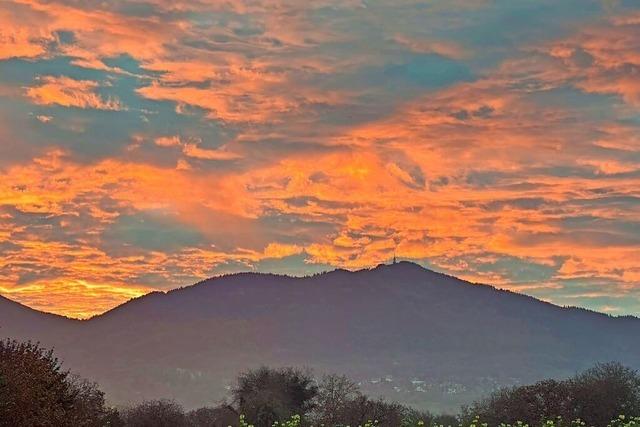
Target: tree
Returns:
[596, 396]
[412, 417]
[340, 402]
[531, 404]
[267, 395]
[89, 407]
[156, 413]
[604, 392]
[335, 393]
[35, 390]
[362, 409]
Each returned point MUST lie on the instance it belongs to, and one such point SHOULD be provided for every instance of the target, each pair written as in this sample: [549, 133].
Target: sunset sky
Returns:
[148, 144]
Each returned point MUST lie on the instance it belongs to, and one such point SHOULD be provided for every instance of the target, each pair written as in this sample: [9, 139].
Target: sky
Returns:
[149, 144]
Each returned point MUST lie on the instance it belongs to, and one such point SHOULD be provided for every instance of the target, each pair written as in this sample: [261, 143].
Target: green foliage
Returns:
[294, 421]
[243, 422]
[624, 421]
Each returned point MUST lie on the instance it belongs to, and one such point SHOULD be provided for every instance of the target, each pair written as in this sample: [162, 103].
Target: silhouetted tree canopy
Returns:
[156, 413]
[531, 403]
[412, 418]
[335, 394]
[596, 396]
[363, 409]
[89, 408]
[36, 391]
[266, 395]
[604, 392]
[340, 402]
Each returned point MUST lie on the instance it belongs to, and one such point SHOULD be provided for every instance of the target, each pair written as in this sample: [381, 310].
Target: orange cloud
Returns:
[68, 92]
[504, 169]
[99, 33]
[279, 250]
[72, 297]
[245, 94]
[604, 58]
[193, 150]
[85, 277]
[19, 39]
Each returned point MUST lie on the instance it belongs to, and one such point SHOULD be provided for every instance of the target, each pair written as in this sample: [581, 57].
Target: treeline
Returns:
[36, 391]
[595, 396]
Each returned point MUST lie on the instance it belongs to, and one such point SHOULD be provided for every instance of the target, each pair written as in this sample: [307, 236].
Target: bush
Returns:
[221, 416]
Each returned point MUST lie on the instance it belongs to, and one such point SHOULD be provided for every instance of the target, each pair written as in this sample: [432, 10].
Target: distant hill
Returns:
[18, 320]
[405, 332]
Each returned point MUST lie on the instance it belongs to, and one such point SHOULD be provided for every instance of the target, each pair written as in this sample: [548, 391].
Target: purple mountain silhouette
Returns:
[405, 332]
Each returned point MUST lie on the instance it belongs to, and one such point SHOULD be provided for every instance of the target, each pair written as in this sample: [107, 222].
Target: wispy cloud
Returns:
[71, 93]
[148, 146]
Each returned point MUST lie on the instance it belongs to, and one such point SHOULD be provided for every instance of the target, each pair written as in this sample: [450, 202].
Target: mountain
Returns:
[21, 321]
[405, 332]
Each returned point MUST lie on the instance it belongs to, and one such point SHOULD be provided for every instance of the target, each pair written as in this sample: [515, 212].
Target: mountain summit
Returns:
[403, 331]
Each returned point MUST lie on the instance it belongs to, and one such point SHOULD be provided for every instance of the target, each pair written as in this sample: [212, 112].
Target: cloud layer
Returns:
[146, 145]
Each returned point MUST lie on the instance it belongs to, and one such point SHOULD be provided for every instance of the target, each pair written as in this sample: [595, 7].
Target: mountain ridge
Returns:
[398, 321]
[210, 280]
